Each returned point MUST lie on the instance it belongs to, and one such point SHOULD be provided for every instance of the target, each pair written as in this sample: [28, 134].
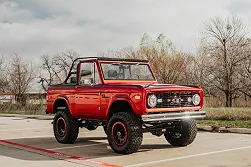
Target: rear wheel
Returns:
[65, 127]
[183, 134]
[124, 133]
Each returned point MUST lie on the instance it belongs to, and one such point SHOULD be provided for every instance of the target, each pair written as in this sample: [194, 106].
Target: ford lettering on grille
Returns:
[173, 99]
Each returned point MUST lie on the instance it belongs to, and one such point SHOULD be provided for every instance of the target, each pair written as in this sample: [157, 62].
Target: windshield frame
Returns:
[127, 62]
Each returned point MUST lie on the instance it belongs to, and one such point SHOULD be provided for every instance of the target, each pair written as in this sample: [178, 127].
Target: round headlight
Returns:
[152, 101]
[196, 99]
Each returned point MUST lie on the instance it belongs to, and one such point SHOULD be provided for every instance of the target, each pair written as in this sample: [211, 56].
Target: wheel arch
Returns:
[59, 103]
[119, 105]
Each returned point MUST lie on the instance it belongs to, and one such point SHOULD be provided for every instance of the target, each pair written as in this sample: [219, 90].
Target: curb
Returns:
[224, 129]
[39, 117]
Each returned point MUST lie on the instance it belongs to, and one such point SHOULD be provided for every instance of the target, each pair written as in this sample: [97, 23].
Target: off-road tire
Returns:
[188, 131]
[71, 129]
[133, 129]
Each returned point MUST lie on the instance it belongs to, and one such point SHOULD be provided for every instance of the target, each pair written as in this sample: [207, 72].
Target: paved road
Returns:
[29, 142]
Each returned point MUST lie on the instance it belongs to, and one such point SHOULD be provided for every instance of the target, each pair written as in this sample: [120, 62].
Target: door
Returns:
[87, 100]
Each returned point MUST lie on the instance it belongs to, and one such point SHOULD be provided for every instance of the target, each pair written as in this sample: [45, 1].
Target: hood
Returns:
[166, 87]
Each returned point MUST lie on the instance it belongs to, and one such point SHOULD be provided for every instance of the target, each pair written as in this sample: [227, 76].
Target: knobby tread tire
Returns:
[188, 134]
[134, 130]
[72, 127]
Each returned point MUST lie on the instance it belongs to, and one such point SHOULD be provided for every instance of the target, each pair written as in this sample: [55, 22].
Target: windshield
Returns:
[126, 71]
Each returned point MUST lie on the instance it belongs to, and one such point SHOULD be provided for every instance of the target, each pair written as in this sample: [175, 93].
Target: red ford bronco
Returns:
[123, 96]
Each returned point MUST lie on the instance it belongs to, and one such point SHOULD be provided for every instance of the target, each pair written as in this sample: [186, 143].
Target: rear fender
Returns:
[66, 101]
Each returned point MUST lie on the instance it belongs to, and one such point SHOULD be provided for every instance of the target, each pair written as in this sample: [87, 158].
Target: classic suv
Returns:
[123, 96]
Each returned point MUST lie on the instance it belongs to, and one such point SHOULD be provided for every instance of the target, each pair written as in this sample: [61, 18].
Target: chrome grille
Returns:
[175, 99]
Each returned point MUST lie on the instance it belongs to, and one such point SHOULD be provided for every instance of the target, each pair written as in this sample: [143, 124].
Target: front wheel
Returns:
[65, 127]
[124, 133]
[183, 133]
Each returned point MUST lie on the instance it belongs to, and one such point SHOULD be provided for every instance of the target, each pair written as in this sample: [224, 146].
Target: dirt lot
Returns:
[30, 142]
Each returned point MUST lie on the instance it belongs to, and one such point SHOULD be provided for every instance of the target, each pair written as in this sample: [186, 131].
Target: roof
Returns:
[101, 58]
[111, 59]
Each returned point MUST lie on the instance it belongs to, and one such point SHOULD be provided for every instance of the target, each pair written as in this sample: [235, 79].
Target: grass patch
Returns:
[31, 109]
[27, 112]
[227, 117]
[226, 123]
[9, 112]
[229, 114]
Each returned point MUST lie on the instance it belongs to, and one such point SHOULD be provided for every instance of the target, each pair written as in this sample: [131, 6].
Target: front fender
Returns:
[125, 98]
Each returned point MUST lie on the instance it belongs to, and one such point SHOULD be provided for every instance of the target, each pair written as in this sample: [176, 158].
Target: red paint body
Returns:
[94, 101]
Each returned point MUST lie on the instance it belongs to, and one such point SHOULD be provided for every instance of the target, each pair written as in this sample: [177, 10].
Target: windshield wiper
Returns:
[149, 85]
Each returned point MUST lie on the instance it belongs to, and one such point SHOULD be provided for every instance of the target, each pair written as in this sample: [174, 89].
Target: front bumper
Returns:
[173, 116]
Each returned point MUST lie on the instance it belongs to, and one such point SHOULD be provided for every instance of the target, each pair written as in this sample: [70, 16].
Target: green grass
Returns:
[27, 112]
[228, 113]
[18, 109]
[226, 123]
[228, 117]
[9, 112]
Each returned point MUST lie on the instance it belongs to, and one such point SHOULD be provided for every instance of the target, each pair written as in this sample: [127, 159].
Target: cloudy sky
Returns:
[35, 27]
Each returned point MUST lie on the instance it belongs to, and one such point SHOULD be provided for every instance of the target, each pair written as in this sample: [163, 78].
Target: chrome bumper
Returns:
[173, 116]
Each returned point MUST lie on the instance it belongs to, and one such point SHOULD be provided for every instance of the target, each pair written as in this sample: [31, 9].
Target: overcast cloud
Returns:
[35, 27]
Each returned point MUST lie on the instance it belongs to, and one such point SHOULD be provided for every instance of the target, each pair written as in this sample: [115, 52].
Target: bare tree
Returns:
[168, 64]
[246, 78]
[3, 76]
[20, 77]
[227, 48]
[55, 69]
